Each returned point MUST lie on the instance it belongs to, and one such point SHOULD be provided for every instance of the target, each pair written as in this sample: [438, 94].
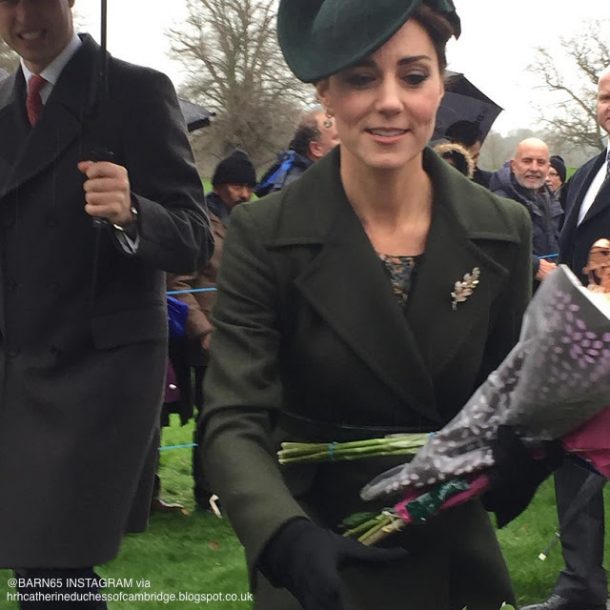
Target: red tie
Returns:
[33, 102]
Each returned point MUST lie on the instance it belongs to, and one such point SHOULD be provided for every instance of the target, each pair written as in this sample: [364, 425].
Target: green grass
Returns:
[198, 553]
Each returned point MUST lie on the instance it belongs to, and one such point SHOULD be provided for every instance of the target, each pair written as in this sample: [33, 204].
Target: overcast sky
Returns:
[498, 42]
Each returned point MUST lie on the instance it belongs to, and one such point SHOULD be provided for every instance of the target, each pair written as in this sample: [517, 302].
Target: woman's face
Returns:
[553, 180]
[385, 106]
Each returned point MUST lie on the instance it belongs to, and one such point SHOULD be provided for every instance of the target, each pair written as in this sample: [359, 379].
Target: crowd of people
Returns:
[321, 312]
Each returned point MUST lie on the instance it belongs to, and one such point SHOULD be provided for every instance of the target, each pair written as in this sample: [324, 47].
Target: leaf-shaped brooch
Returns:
[462, 289]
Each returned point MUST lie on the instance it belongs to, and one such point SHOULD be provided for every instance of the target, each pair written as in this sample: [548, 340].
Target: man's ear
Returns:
[315, 151]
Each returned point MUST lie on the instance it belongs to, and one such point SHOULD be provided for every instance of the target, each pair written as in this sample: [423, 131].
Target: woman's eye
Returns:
[358, 80]
[415, 78]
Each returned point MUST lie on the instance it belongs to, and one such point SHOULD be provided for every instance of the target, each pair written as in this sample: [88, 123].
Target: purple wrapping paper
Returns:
[554, 380]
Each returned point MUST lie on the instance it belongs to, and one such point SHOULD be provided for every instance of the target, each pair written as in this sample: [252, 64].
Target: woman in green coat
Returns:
[335, 321]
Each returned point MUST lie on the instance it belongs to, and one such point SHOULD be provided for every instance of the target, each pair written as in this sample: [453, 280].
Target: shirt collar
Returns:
[53, 71]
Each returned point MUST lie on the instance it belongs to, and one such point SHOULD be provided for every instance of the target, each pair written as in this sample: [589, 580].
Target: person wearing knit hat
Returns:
[334, 322]
[234, 180]
[556, 177]
[558, 164]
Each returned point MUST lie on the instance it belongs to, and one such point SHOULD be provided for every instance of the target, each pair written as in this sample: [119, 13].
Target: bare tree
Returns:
[235, 68]
[8, 58]
[571, 77]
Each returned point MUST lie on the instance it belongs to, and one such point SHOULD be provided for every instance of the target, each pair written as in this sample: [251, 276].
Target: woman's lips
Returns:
[387, 135]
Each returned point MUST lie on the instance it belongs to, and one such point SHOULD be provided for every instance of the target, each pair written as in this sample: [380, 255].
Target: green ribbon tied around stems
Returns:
[428, 504]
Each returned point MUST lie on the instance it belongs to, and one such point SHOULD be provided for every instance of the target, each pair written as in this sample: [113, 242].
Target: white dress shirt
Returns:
[596, 184]
[52, 72]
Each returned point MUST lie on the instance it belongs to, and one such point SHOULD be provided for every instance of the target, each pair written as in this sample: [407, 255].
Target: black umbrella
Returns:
[102, 153]
[195, 116]
[104, 45]
[464, 102]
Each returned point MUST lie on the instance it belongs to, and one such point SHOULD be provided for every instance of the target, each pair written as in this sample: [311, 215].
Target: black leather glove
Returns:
[516, 475]
[305, 559]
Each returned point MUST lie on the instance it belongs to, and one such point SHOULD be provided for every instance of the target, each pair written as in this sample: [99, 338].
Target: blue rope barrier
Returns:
[192, 291]
[170, 447]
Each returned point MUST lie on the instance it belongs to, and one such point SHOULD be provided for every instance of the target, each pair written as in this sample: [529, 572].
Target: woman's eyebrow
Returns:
[412, 59]
[369, 63]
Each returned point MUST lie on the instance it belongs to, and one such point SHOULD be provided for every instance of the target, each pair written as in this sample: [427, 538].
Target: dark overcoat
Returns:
[582, 538]
[83, 325]
[576, 239]
[311, 344]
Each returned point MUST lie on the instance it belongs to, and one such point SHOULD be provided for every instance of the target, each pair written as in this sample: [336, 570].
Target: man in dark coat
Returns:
[583, 584]
[315, 136]
[523, 179]
[83, 320]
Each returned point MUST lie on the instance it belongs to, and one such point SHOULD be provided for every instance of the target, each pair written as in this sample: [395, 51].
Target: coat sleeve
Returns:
[173, 226]
[197, 321]
[243, 391]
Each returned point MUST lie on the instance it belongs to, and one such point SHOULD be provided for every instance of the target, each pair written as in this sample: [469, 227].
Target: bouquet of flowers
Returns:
[554, 381]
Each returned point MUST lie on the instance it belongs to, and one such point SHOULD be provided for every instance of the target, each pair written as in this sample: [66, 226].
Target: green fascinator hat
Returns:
[321, 37]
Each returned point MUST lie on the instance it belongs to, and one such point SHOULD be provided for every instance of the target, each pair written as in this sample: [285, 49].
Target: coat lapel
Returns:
[14, 131]
[13, 125]
[71, 101]
[439, 329]
[348, 287]
[600, 203]
[575, 201]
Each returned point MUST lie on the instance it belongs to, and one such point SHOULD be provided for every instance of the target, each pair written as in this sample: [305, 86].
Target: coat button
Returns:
[11, 285]
[13, 353]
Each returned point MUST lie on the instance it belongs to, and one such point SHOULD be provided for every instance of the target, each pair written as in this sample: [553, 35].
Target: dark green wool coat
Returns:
[310, 343]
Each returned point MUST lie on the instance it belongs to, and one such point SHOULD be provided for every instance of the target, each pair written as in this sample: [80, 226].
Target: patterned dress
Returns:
[400, 271]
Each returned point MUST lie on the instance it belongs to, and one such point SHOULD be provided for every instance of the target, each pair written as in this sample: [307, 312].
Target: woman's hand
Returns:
[305, 559]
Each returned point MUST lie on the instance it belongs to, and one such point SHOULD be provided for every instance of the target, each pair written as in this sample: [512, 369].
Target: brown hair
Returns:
[438, 28]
